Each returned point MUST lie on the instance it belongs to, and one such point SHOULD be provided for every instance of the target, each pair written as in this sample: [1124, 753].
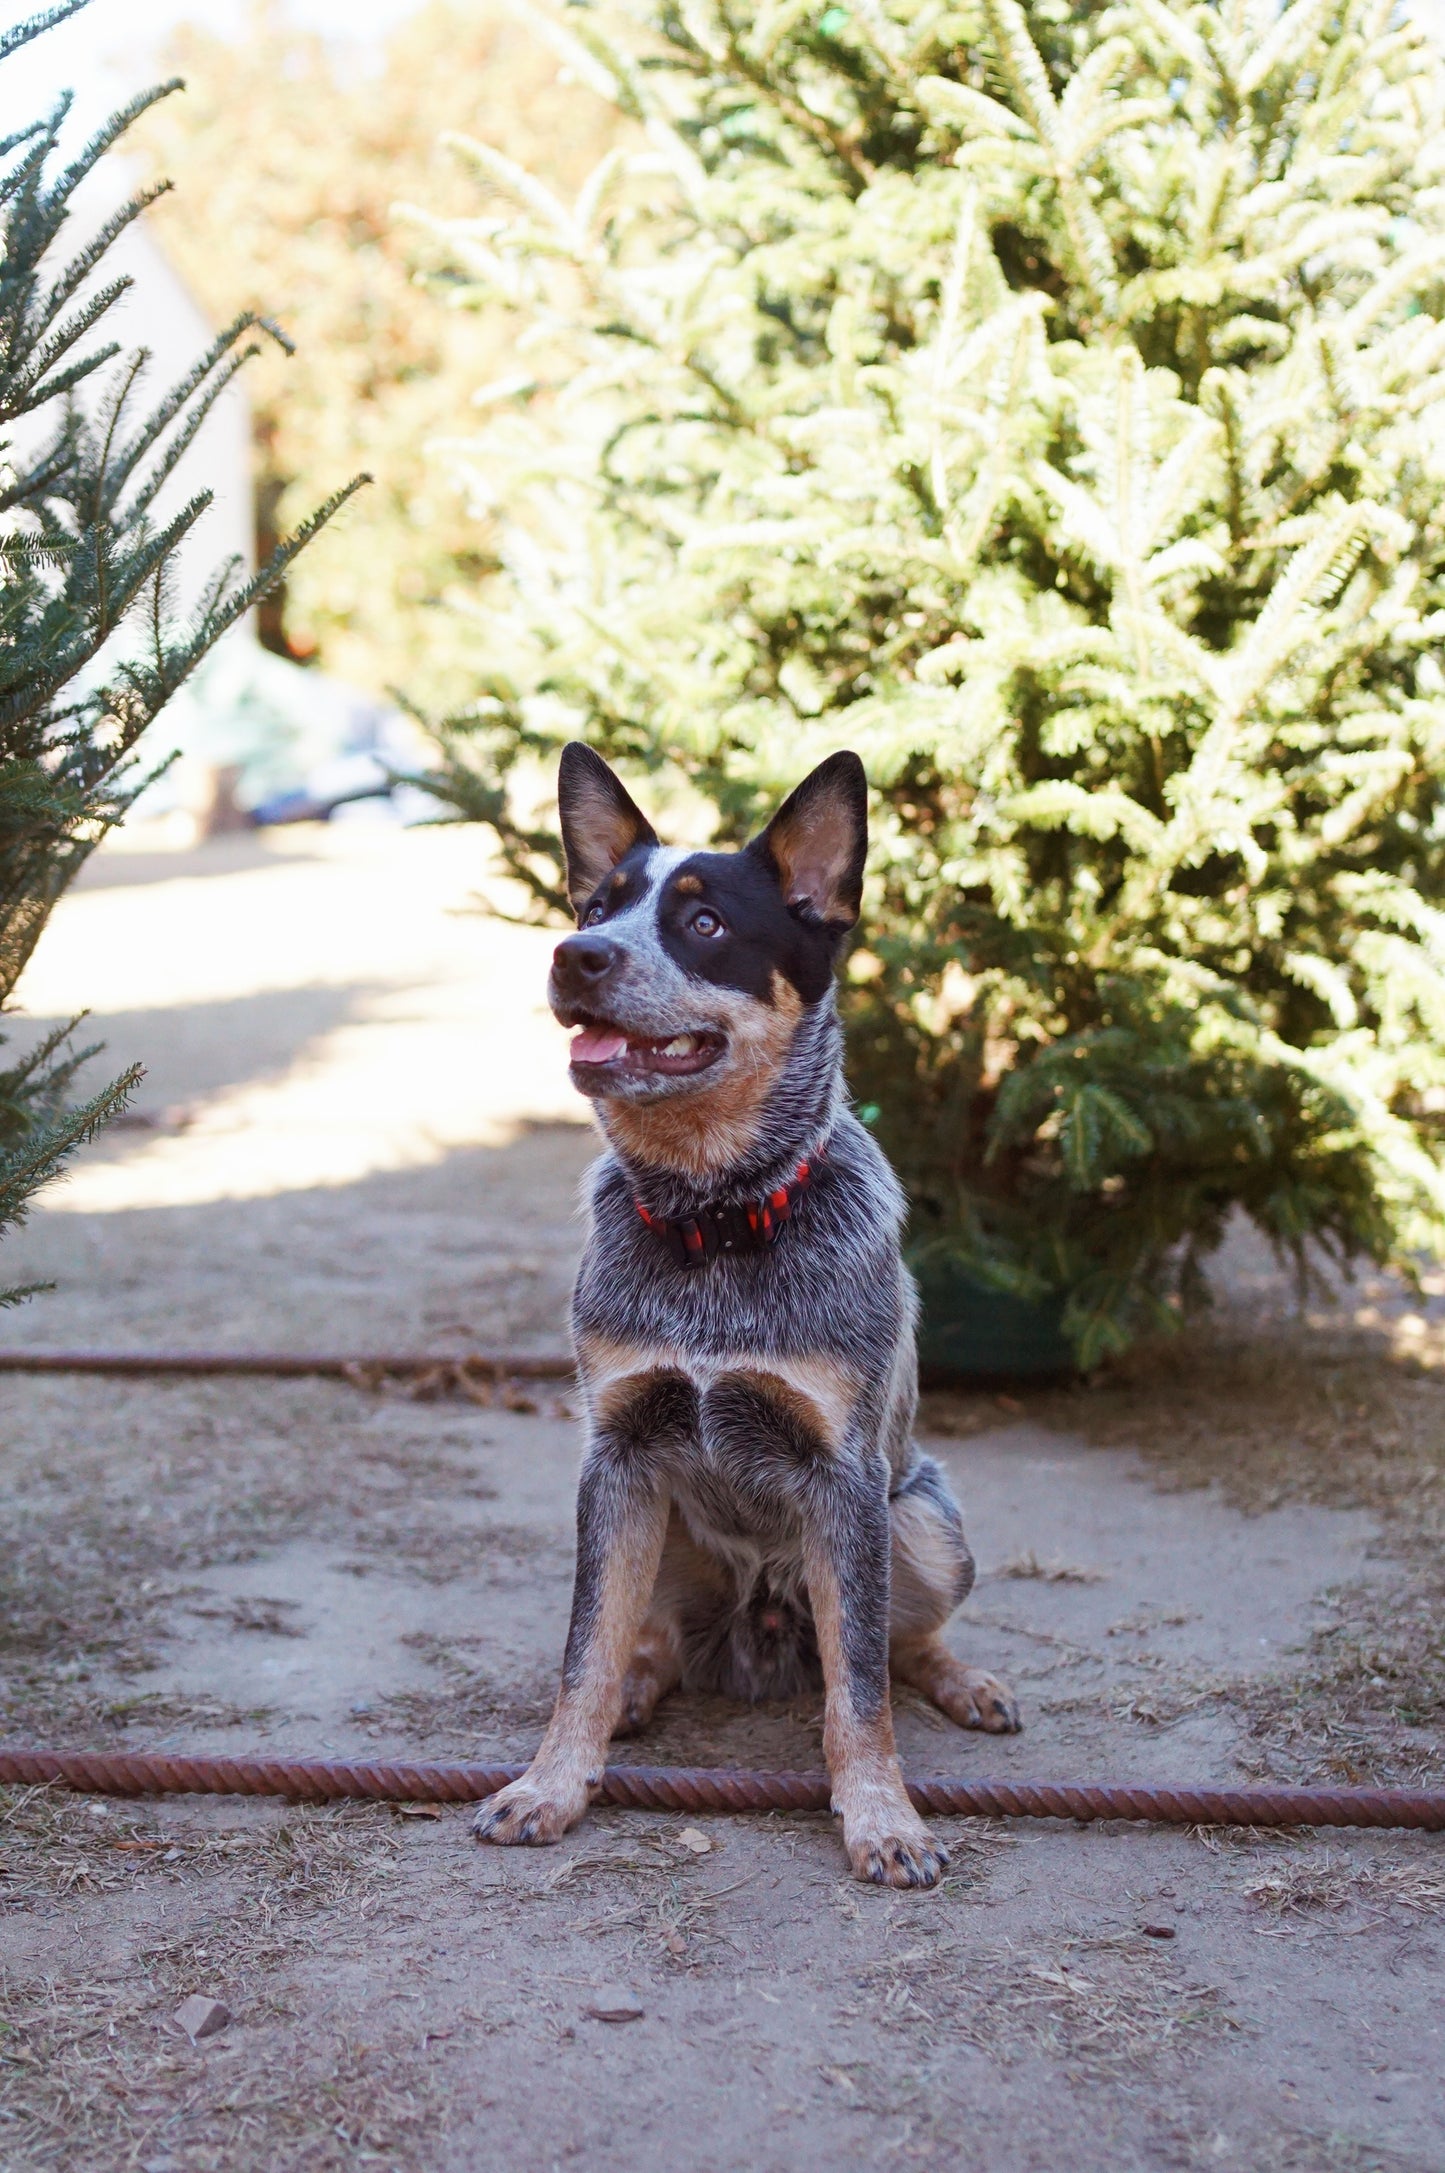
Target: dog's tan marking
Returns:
[613, 1396]
[689, 886]
[884, 1836]
[611, 1373]
[656, 1668]
[619, 879]
[930, 1576]
[966, 1694]
[821, 1391]
[716, 1125]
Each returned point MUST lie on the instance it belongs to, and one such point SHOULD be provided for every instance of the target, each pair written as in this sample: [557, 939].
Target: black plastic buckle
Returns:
[697, 1239]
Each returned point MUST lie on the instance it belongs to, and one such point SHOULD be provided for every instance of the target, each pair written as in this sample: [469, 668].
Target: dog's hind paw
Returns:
[984, 1702]
[974, 1699]
[898, 1859]
[641, 1691]
[526, 1814]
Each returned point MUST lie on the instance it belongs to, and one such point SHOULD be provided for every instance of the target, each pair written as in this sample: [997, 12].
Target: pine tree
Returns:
[1049, 402]
[89, 649]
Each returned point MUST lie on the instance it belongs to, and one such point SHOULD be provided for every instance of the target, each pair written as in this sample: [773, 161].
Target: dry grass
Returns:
[1274, 1410]
[676, 1920]
[1054, 1571]
[1364, 1705]
[1096, 2005]
[1334, 1415]
[1326, 1881]
[260, 1616]
[1300, 2151]
[96, 2077]
[53, 1843]
[437, 1549]
[1368, 1704]
[119, 1497]
[468, 1706]
[92, 2072]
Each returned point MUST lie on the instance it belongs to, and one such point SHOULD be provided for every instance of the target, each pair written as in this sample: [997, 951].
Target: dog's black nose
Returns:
[583, 960]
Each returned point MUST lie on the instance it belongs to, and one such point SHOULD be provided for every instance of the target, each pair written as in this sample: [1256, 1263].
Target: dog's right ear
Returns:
[600, 821]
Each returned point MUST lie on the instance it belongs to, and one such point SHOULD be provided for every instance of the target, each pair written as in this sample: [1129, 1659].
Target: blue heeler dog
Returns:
[752, 1512]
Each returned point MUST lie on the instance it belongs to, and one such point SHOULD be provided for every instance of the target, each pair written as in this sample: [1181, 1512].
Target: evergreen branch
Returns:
[193, 398]
[84, 262]
[32, 385]
[107, 136]
[22, 33]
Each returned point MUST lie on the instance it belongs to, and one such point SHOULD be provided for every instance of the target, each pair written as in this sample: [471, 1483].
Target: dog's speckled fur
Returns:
[752, 1511]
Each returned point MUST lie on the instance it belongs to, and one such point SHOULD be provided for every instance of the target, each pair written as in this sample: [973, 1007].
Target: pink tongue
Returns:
[597, 1045]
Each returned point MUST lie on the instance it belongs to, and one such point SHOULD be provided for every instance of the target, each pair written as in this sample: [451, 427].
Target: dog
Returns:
[753, 1515]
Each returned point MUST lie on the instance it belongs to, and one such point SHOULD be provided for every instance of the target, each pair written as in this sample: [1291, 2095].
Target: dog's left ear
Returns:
[817, 843]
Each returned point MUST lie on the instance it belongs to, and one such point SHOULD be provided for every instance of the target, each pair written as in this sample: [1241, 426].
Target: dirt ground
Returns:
[1224, 1561]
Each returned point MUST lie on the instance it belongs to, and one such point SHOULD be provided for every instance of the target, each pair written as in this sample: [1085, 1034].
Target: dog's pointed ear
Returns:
[600, 821]
[817, 843]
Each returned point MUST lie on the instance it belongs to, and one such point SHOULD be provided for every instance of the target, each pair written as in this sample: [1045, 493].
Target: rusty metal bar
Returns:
[696, 1788]
[293, 1365]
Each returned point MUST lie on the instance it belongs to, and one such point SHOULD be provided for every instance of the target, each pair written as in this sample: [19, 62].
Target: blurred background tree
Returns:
[1047, 402]
[289, 158]
[94, 645]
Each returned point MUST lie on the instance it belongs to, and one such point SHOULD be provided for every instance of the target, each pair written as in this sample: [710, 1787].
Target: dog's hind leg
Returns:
[932, 1573]
[683, 1574]
[655, 1671]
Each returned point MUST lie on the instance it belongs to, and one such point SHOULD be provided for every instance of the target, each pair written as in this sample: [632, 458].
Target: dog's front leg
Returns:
[621, 1520]
[847, 1542]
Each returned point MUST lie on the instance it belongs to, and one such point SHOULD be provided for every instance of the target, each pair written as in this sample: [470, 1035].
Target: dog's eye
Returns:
[593, 915]
[706, 923]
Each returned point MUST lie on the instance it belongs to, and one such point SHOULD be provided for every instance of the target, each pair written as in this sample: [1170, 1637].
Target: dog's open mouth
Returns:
[608, 1052]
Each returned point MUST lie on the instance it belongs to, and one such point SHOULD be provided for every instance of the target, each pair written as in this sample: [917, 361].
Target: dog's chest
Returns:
[727, 1410]
[733, 1436]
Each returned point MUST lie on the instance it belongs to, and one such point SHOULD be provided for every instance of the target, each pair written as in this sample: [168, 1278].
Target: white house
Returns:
[256, 734]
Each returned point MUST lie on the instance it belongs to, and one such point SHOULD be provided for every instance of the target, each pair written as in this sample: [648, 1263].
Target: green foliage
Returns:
[1048, 402]
[89, 650]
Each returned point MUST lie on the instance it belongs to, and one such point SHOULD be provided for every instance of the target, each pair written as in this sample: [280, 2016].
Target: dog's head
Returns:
[690, 971]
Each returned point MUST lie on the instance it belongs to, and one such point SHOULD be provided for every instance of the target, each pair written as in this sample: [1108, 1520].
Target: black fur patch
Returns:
[760, 938]
[859, 1539]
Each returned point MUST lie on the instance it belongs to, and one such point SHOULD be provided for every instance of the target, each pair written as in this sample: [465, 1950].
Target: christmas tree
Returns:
[1048, 402]
[92, 649]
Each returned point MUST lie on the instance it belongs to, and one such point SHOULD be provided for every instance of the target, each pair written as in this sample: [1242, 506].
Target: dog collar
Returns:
[732, 1227]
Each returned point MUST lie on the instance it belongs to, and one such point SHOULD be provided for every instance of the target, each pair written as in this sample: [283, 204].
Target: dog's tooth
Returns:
[680, 1045]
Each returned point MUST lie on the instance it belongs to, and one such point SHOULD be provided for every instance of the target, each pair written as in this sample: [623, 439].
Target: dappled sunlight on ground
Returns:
[370, 1019]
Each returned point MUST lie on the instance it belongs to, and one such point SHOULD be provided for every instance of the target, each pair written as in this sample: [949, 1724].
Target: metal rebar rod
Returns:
[490, 1365]
[701, 1788]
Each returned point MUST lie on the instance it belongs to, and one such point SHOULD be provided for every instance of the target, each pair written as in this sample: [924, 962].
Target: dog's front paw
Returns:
[910, 1858]
[529, 1813]
[886, 1840]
